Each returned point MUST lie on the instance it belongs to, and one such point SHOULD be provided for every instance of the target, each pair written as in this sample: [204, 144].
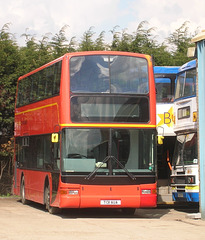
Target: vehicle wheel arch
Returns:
[51, 210]
[46, 185]
[22, 176]
[22, 190]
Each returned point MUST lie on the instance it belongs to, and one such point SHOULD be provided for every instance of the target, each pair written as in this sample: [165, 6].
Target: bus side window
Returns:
[40, 152]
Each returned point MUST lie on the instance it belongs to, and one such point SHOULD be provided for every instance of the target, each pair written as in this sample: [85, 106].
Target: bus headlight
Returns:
[146, 191]
[73, 192]
[191, 180]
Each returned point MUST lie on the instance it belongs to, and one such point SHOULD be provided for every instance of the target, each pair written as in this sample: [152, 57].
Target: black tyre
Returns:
[22, 192]
[51, 210]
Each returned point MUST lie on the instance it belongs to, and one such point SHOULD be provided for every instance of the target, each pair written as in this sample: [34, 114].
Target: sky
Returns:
[41, 17]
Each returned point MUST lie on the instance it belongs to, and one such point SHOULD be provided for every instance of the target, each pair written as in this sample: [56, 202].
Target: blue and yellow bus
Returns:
[185, 172]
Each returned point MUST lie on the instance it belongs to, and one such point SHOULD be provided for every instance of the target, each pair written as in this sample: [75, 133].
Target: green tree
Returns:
[99, 43]
[115, 39]
[180, 41]
[35, 54]
[44, 50]
[59, 43]
[162, 57]
[72, 45]
[124, 41]
[143, 39]
[9, 71]
[87, 43]
[6, 154]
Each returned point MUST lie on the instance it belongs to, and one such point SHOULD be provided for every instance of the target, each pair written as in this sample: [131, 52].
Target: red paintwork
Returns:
[34, 184]
[90, 196]
[50, 116]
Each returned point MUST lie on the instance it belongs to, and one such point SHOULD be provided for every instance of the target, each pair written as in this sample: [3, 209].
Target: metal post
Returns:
[200, 42]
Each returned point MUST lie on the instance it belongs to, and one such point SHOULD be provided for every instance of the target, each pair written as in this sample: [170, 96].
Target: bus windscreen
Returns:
[109, 74]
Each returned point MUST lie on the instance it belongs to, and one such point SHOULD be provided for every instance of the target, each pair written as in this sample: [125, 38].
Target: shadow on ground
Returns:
[143, 213]
[104, 212]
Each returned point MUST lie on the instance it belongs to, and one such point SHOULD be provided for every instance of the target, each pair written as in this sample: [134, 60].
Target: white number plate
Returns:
[110, 202]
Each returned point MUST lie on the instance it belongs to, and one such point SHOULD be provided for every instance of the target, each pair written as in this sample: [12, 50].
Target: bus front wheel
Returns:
[51, 210]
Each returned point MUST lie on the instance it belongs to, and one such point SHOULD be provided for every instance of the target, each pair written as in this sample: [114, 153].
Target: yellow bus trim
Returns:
[106, 125]
[38, 108]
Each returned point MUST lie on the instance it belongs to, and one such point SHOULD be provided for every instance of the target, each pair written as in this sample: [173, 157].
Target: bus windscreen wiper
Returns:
[117, 161]
[123, 167]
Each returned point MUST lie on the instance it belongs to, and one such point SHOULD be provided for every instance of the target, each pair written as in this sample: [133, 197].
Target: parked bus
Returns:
[85, 132]
[165, 78]
[185, 172]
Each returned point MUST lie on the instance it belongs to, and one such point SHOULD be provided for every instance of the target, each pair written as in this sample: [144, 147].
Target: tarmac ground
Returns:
[32, 221]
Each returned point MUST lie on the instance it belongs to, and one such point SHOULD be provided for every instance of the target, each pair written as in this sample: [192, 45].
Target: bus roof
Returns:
[188, 65]
[165, 70]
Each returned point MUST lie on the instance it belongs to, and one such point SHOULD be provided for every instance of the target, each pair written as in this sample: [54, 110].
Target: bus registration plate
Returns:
[110, 202]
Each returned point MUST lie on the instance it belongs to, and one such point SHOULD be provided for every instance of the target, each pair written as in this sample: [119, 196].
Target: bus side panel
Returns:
[185, 120]
[38, 118]
[34, 184]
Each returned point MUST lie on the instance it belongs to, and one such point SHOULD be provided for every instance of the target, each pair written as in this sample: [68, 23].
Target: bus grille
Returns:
[180, 180]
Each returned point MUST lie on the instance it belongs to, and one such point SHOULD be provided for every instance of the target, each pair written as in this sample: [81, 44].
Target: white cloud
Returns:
[167, 16]
[44, 16]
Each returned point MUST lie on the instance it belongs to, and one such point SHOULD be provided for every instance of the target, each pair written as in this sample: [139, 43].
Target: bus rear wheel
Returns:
[51, 210]
[22, 192]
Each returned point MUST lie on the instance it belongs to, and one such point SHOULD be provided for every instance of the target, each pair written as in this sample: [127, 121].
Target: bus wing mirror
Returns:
[54, 137]
[160, 140]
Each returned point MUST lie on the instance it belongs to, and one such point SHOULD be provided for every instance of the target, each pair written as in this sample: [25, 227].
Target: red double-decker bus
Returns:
[85, 132]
